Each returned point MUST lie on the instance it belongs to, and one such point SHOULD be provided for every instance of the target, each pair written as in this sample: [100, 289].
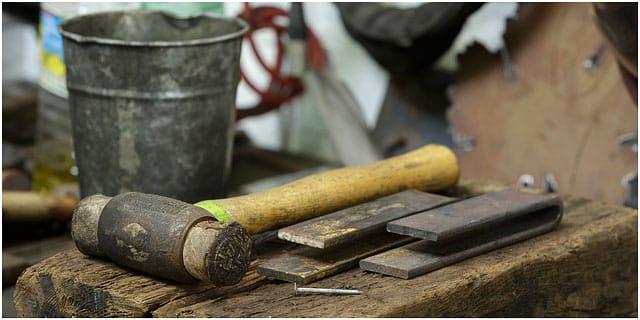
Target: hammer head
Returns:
[84, 224]
[161, 236]
[217, 252]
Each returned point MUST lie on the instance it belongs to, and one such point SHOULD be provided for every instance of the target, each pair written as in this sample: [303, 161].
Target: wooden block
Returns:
[587, 267]
[72, 284]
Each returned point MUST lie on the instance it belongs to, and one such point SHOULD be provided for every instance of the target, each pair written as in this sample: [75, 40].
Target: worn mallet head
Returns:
[162, 236]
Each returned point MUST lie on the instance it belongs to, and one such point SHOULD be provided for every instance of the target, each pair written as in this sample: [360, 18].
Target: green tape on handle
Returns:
[216, 210]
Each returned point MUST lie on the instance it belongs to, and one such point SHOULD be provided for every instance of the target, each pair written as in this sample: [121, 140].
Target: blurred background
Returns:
[538, 94]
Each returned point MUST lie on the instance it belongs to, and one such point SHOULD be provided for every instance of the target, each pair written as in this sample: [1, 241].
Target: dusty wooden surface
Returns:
[588, 267]
[557, 117]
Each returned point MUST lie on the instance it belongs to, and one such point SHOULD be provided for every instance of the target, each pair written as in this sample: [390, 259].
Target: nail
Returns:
[593, 63]
[324, 291]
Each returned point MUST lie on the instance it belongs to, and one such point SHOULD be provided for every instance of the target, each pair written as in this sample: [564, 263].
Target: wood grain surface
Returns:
[587, 267]
[557, 117]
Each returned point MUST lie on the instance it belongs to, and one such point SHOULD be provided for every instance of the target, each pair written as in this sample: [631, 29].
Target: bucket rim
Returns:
[244, 28]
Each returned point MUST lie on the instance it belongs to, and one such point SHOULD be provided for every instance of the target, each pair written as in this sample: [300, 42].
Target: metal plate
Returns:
[507, 217]
[472, 215]
[349, 224]
[305, 265]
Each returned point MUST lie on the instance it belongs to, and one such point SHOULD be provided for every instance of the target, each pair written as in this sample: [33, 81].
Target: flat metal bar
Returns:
[352, 223]
[484, 212]
[425, 256]
[305, 265]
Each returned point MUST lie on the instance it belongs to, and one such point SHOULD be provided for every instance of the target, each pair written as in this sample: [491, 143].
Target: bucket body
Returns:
[152, 101]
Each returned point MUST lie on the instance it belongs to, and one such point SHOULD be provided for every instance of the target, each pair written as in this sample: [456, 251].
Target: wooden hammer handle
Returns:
[430, 168]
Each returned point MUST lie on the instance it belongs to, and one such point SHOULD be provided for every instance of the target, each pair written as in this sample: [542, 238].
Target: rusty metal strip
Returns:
[349, 224]
[305, 264]
[472, 215]
[501, 219]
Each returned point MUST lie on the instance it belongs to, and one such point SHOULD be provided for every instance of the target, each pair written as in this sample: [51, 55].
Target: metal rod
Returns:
[324, 291]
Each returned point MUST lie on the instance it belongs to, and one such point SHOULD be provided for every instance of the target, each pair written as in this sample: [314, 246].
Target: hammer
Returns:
[210, 240]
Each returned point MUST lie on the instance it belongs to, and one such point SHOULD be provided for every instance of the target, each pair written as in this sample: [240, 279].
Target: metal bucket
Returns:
[152, 101]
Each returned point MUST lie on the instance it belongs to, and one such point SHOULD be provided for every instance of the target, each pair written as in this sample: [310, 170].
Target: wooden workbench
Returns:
[587, 267]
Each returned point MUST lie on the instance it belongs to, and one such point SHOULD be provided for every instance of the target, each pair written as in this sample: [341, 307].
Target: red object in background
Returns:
[282, 88]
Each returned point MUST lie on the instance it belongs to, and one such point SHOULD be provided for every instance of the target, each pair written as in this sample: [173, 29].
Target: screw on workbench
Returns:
[527, 181]
[549, 183]
[593, 63]
[324, 291]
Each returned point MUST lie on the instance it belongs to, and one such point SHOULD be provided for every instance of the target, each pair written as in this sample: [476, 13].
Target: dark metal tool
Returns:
[355, 222]
[465, 229]
[304, 265]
